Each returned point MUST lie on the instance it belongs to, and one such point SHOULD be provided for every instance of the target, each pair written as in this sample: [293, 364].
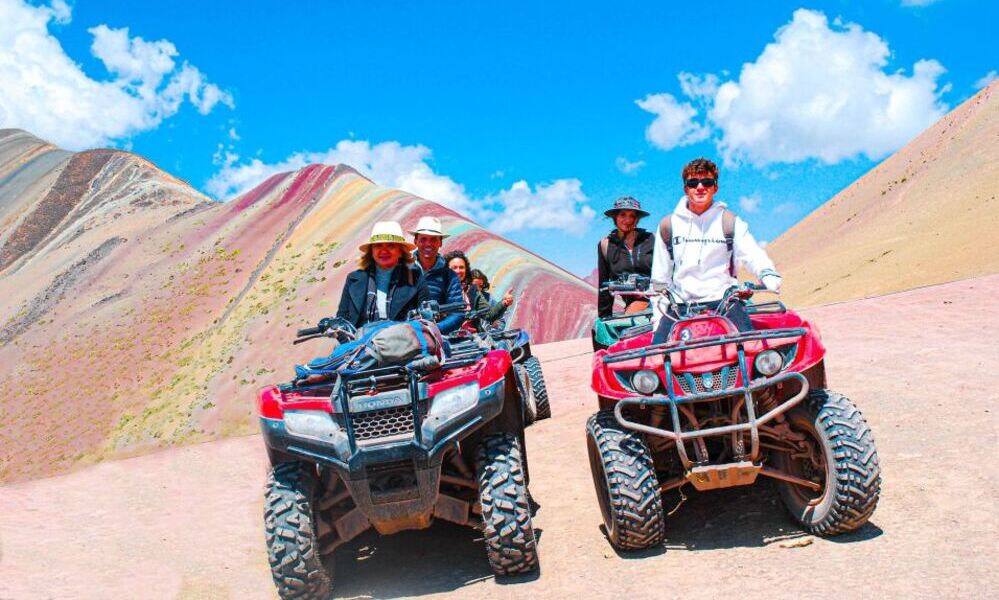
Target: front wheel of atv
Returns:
[626, 484]
[506, 512]
[538, 387]
[840, 456]
[292, 532]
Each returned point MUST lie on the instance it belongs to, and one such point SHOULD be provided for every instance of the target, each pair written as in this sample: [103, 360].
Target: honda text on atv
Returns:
[608, 330]
[530, 378]
[715, 408]
[357, 442]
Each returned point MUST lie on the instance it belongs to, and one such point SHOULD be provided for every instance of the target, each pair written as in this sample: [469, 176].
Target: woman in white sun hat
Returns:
[387, 285]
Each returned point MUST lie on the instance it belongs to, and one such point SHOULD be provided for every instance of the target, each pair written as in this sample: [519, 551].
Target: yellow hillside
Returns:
[928, 214]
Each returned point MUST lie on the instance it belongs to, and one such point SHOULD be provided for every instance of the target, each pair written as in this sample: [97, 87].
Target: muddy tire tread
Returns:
[533, 366]
[292, 547]
[857, 469]
[506, 512]
[633, 488]
[530, 412]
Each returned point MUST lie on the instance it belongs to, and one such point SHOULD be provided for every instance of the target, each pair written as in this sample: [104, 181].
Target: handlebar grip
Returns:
[308, 331]
[452, 307]
[307, 338]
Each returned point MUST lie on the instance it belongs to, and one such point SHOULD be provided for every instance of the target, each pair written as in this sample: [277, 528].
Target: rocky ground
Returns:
[186, 523]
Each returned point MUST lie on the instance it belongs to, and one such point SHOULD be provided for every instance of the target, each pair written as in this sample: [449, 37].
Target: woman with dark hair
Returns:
[626, 249]
[387, 285]
[475, 300]
[480, 281]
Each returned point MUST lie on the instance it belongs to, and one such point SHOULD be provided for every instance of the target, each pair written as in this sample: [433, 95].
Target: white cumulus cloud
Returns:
[986, 79]
[560, 205]
[45, 92]
[674, 123]
[785, 208]
[698, 87]
[818, 91]
[628, 167]
[750, 203]
[388, 163]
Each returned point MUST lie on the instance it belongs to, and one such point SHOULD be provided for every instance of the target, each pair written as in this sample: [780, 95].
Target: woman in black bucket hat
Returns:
[626, 249]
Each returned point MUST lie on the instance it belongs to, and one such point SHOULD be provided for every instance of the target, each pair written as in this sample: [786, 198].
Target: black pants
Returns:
[736, 312]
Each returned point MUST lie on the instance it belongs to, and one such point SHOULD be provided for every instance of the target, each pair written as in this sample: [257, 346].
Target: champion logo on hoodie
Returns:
[679, 239]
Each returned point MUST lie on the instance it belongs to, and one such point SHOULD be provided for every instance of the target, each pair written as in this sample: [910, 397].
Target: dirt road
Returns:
[922, 365]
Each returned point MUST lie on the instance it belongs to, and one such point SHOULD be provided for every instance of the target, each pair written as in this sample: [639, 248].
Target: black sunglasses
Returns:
[707, 181]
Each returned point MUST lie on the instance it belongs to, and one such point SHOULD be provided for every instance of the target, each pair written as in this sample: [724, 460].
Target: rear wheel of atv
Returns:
[841, 457]
[527, 394]
[533, 366]
[506, 511]
[626, 484]
[291, 531]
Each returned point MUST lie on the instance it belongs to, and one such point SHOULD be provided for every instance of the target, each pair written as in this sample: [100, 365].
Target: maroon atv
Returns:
[392, 447]
[714, 407]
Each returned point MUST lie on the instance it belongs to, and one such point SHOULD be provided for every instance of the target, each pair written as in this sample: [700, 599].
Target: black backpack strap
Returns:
[728, 228]
[371, 301]
[666, 233]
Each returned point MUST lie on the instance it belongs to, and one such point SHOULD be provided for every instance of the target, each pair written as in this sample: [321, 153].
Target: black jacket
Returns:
[621, 261]
[407, 289]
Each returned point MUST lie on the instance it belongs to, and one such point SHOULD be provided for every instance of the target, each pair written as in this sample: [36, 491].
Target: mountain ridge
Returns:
[923, 216]
[140, 314]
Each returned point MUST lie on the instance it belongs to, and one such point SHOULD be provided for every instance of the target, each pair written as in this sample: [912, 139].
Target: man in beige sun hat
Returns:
[387, 285]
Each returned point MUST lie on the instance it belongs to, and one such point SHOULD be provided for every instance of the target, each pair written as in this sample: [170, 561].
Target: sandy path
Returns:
[187, 522]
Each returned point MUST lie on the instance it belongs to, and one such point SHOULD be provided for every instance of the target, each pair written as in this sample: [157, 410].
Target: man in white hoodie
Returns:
[698, 247]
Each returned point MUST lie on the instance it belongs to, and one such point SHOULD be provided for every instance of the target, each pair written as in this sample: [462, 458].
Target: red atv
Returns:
[714, 407]
[354, 446]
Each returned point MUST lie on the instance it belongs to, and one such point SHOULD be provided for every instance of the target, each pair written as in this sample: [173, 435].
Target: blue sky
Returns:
[529, 118]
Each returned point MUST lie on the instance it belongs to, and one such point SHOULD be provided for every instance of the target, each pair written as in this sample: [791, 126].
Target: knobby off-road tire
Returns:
[851, 470]
[533, 366]
[291, 531]
[527, 396]
[506, 513]
[626, 484]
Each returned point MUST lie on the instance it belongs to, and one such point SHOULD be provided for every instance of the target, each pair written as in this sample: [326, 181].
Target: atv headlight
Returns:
[311, 423]
[768, 362]
[645, 382]
[455, 400]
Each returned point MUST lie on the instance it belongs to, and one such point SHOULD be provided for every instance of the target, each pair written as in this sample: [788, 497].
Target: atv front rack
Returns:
[752, 422]
[668, 348]
[376, 381]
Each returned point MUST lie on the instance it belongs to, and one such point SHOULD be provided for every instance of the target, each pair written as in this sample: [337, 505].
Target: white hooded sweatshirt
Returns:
[699, 268]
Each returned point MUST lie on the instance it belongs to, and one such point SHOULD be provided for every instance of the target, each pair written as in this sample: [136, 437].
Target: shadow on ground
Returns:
[440, 559]
[742, 517]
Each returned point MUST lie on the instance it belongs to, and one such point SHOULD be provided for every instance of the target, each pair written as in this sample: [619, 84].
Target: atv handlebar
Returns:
[630, 284]
[452, 307]
[675, 299]
[305, 338]
[335, 327]
[308, 331]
